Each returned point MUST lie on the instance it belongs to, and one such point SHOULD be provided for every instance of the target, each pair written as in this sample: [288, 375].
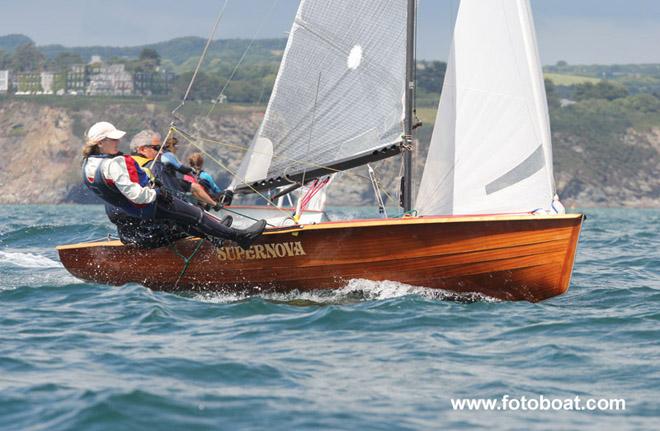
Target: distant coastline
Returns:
[605, 119]
[602, 168]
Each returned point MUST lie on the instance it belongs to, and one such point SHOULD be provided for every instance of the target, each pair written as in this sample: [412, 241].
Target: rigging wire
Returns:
[299, 207]
[170, 131]
[202, 57]
[280, 157]
[311, 128]
[186, 260]
[240, 61]
[191, 141]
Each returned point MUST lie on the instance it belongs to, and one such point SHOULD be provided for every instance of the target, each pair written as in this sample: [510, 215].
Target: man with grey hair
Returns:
[144, 147]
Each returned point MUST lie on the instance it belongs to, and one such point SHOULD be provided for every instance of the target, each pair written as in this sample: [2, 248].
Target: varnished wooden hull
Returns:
[507, 257]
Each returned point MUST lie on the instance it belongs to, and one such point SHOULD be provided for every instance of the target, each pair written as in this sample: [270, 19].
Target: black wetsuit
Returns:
[144, 233]
[166, 173]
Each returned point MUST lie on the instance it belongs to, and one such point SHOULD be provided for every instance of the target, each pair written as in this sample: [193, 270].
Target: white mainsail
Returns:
[491, 149]
[339, 90]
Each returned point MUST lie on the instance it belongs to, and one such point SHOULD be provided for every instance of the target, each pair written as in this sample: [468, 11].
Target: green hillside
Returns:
[565, 79]
[183, 53]
[10, 42]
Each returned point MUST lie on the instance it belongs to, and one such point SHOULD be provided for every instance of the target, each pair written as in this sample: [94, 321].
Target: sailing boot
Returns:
[219, 242]
[244, 238]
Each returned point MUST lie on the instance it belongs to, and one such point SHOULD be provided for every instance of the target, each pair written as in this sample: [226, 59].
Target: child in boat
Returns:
[124, 185]
[201, 177]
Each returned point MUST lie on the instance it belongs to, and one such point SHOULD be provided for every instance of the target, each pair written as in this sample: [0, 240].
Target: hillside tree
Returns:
[206, 87]
[602, 90]
[148, 62]
[64, 61]
[150, 54]
[5, 60]
[27, 58]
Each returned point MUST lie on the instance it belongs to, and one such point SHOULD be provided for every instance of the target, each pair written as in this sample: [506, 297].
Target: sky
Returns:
[576, 31]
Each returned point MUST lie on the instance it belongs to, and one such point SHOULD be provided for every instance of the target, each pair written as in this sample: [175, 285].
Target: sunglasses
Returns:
[154, 147]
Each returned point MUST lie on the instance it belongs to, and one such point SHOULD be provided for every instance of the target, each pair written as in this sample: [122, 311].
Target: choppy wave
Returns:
[371, 355]
[357, 290]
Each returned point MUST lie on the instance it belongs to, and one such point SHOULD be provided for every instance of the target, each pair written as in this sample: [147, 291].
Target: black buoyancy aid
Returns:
[167, 175]
[113, 197]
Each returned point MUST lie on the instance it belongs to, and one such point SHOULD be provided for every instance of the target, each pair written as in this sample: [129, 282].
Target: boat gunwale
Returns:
[269, 208]
[375, 222]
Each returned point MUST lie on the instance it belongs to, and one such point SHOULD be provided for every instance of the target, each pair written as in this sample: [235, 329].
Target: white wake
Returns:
[357, 290]
[27, 260]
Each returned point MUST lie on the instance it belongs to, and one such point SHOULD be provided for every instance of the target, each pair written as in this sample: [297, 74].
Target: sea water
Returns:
[81, 356]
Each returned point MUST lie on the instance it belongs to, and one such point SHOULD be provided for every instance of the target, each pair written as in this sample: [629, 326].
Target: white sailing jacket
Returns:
[122, 172]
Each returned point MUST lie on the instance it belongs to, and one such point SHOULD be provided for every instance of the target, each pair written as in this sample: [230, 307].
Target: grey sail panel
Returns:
[339, 92]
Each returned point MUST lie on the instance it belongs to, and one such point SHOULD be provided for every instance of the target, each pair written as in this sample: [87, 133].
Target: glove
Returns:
[164, 197]
[185, 170]
[225, 198]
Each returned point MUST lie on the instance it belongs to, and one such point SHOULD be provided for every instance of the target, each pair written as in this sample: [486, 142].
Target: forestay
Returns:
[339, 90]
[491, 150]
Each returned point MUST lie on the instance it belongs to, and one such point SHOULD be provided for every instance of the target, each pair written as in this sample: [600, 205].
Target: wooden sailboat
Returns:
[490, 154]
[507, 257]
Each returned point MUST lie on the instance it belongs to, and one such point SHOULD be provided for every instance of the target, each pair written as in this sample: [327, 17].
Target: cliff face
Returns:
[41, 145]
[40, 155]
[39, 162]
[627, 174]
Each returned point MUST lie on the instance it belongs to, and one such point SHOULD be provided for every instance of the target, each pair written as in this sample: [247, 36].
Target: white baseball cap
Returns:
[103, 130]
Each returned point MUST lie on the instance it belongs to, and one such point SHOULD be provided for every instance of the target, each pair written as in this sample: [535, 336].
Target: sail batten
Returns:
[339, 91]
[491, 149]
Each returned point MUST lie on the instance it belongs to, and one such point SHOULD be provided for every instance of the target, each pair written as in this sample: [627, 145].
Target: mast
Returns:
[408, 143]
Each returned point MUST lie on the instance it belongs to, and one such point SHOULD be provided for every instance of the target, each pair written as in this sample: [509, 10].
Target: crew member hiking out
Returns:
[167, 167]
[122, 183]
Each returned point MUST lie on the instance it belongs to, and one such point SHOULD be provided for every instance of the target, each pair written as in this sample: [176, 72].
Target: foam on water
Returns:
[27, 260]
[356, 290]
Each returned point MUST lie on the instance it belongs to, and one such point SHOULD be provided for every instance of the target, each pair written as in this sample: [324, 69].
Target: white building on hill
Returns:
[4, 81]
[47, 81]
[110, 80]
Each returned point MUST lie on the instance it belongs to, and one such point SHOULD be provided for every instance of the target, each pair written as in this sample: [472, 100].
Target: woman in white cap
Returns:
[121, 182]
